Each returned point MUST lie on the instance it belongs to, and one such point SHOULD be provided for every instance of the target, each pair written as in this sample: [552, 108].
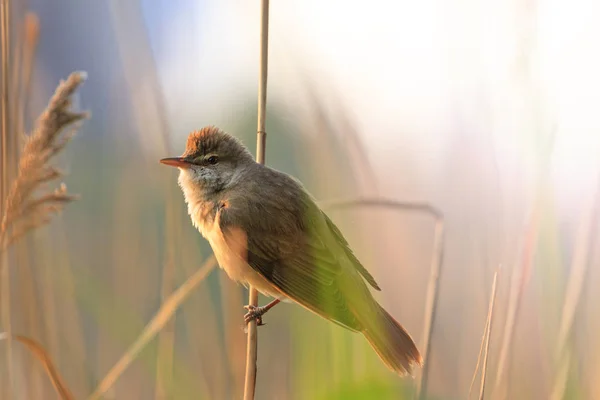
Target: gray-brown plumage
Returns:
[267, 231]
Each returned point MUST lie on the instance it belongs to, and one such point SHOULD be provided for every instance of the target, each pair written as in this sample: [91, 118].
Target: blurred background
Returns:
[485, 110]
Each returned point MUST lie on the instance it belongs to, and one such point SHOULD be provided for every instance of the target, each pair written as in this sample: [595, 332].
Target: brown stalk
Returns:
[22, 62]
[4, 85]
[489, 325]
[22, 76]
[22, 211]
[4, 120]
[261, 139]
[44, 358]
[431, 304]
[162, 317]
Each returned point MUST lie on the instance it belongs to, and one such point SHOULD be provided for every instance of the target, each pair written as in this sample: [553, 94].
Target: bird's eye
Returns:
[212, 160]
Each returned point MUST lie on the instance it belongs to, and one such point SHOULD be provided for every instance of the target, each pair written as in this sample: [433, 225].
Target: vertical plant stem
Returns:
[519, 280]
[481, 350]
[261, 138]
[484, 347]
[431, 305]
[4, 275]
[580, 264]
[5, 48]
[26, 57]
[487, 335]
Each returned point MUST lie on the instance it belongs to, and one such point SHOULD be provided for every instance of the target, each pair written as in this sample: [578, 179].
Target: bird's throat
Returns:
[201, 204]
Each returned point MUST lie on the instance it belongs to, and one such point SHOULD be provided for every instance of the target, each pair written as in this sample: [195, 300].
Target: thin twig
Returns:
[38, 351]
[489, 324]
[385, 203]
[162, 316]
[483, 348]
[431, 304]
[261, 139]
[479, 356]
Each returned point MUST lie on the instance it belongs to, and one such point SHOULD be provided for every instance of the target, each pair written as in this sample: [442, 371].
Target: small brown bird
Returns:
[267, 231]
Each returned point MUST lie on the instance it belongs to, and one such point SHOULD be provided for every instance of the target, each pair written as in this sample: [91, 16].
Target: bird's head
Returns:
[211, 162]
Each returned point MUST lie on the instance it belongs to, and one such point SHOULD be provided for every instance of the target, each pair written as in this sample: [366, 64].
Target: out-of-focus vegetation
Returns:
[85, 286]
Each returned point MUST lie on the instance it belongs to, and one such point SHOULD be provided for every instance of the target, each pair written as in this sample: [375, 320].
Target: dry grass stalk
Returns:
[12, 126]
[384, 203]
[261, 139]
[24, 209]
[479, 356]
[489, 324]
[431, 304]
[485, 340]
[38, 351]
[519, 280]
[4, 131]
[22, 76]
[163, 315]
[4, 111]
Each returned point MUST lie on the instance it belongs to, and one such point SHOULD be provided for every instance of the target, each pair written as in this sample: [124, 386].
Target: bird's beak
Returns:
[179, 162]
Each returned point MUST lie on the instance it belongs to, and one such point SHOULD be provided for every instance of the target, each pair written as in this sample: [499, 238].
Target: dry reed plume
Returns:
[29, 204]
[24, 208]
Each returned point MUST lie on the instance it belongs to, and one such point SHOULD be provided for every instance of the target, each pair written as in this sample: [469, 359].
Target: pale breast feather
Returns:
[231, 252]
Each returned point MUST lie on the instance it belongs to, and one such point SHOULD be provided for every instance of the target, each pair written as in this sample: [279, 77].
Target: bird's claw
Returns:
[254, 313]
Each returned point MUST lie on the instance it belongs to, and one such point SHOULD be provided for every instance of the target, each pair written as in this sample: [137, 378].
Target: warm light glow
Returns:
[569, 78]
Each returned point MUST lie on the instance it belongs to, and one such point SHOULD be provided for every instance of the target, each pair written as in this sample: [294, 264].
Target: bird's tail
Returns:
[391, 342]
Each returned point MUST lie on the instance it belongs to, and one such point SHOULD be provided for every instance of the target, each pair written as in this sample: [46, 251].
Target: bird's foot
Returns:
[255, 313]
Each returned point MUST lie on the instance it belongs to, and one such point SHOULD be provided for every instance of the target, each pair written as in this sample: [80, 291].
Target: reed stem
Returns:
[261, 138]
[4, 116]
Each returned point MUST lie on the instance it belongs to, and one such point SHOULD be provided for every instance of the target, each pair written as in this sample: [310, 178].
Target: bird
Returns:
[266, 230]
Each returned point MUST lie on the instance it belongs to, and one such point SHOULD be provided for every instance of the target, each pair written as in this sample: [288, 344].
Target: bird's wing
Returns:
[342, 241]
[290, 243]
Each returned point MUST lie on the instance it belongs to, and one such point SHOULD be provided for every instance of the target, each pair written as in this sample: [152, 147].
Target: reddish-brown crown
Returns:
[212, 140]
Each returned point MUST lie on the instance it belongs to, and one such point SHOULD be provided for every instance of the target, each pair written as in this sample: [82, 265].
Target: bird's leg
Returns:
[256, 313]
